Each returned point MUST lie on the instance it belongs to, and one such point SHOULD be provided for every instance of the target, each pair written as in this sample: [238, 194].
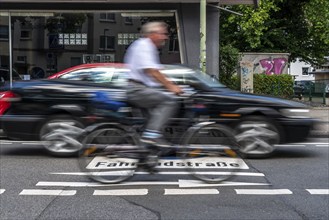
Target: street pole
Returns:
[202, 59]
[10, 53]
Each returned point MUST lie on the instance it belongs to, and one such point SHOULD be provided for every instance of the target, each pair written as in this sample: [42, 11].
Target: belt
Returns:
[136, 81]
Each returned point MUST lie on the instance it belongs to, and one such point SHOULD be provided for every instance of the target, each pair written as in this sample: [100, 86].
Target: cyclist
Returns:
[145, 82]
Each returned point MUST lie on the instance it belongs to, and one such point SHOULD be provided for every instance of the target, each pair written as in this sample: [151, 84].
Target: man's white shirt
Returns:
[142, 54]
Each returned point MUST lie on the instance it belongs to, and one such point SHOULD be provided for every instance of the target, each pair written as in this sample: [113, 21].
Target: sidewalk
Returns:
[321, 129]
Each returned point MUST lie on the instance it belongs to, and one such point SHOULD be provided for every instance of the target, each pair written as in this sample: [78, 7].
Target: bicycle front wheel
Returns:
[210, 153]
[104, 156]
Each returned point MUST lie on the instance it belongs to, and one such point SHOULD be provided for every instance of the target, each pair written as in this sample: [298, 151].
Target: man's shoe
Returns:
[160, 142]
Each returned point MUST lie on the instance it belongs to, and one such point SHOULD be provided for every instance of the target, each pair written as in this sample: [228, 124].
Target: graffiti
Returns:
[245, 73]
[273, 66]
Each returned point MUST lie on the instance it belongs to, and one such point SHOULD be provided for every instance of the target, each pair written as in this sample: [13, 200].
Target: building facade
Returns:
[47, 36]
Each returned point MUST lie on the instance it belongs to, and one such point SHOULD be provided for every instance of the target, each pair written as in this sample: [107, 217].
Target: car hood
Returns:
[256, 99]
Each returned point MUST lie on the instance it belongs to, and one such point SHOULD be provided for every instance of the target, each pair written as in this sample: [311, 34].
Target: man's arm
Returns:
[163, 80]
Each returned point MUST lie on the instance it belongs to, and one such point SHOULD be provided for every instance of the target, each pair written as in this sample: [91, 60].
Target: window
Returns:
[21, 59]
[26, 34]
[173, 44]
[107, 42]
[4, 32]
[305, 71]
[109, 17]
[128, 20]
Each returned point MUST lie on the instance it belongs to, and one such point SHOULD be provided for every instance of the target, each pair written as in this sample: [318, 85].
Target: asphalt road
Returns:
[293, 184]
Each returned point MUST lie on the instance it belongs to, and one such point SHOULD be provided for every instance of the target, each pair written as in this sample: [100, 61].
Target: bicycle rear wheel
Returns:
[107, 155]
[210, 153]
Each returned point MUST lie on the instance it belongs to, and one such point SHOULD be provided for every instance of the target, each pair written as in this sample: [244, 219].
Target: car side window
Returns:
[120, 78]
[91, 75]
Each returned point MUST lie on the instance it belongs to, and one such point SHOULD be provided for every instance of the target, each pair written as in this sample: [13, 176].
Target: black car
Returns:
[5, 76]
[259, 122]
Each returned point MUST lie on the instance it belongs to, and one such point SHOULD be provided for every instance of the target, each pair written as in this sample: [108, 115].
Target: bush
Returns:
[273, 85]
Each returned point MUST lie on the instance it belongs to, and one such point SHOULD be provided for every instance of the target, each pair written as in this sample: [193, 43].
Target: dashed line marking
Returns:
[44, 192]
[318, 191]
[322, 145]
[121, 192]
[263, 191]
[191, 192]
[2, 191]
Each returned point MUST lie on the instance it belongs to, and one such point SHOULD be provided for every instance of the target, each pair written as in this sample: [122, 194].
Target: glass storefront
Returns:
[48, 42]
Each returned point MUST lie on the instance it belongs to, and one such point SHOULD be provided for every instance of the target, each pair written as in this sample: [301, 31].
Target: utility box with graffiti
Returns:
[260, 63]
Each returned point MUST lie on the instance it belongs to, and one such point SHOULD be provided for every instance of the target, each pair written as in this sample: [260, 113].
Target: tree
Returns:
[298, 27]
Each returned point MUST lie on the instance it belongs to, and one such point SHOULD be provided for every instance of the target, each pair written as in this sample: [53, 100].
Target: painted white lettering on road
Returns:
[202, 163]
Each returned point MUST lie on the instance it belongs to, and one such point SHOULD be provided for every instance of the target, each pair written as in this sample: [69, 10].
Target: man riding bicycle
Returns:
[146, 82]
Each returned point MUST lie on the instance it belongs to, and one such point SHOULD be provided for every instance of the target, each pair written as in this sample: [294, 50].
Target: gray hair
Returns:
[152, 27]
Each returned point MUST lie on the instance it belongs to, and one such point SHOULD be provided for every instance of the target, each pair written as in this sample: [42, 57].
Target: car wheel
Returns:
[58, 136]
[256, 136]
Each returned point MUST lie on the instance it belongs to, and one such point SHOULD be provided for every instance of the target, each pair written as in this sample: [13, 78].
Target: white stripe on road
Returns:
[44, 192]
[89, 184]
[322, 145]
[199, 183]
[191, 192]
[263, 191]
[2, 191]
[176, 173]
[121, 192]
[318, 191]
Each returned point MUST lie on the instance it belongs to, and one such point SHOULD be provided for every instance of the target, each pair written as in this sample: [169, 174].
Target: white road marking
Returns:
[199, 183]
[263, 191]
[318, 191]
[191, 192]
[290, 145]
[89, 184]
[45, 192]
[2, 191]
[5, 143]
[173, 173]
[121, 192]
[322, 145]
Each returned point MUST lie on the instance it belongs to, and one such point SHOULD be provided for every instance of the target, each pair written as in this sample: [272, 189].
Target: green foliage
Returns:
[228, 63]
[298, 27]
[65, 23]
[273, 85]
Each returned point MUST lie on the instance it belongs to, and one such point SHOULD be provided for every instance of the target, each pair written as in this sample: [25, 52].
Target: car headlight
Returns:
[296, 113]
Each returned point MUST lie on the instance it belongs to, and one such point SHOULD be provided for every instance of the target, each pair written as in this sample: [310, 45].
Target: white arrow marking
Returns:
[2, 191]
[198, 183]
[318, 191]
[48, 192]
[263, 191]
[191, 192]
[121, 192]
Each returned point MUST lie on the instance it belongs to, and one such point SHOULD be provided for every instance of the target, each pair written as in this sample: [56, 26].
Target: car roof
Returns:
[85, 66]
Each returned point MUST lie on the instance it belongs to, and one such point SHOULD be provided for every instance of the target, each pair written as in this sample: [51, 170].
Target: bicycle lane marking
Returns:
[263, 191]
[47, 192]
[318, 191]
[191, 192]
[121, 192]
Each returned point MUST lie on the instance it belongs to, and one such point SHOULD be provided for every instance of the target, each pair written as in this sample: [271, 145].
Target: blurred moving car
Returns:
[5, 76]
[259, 122]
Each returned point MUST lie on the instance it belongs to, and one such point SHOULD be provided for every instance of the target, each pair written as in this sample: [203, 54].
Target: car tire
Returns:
[256, 136]
[56, 146]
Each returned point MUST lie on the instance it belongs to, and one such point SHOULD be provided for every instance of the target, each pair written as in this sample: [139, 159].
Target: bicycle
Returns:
[111, 152]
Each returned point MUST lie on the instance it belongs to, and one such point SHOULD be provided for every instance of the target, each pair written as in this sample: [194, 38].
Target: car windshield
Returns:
[187, 76]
